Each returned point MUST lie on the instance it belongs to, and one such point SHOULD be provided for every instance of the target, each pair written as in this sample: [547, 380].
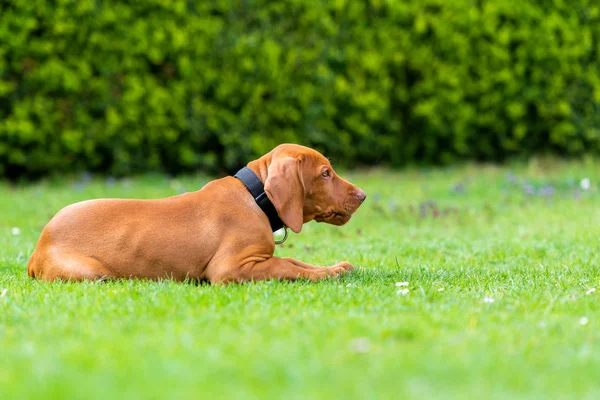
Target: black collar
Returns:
[257, 189]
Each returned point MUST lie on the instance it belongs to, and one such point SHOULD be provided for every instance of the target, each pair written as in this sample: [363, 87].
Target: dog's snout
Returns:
[361, 195]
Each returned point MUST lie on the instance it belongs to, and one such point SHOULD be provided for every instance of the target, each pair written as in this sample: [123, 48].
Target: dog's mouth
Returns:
[334, 217]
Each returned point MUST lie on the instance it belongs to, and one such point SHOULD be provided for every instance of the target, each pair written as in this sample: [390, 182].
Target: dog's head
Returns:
[303, 186]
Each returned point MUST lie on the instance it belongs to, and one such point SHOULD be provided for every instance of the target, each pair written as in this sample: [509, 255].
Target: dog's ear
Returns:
[285, 188]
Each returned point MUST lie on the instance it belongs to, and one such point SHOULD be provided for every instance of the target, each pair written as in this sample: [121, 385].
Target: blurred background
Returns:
[118, 88]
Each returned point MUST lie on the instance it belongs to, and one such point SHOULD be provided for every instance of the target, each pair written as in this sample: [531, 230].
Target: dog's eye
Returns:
[325, 174]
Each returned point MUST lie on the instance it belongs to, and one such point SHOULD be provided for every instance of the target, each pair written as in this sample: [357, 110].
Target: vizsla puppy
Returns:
[221, 233]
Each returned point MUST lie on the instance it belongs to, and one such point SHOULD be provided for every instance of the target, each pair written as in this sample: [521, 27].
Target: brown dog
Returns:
[218, 233]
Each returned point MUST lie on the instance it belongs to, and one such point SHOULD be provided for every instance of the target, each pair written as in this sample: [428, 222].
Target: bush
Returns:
[124, 87]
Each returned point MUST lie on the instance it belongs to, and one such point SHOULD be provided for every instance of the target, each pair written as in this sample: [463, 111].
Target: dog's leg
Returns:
[275, 268]
[69, 267]
[344, 264]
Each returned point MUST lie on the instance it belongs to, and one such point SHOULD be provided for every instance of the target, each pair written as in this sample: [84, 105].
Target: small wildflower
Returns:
[15, 231]
[360, 345]
[583, 321]
[547, 191]
[488, 300]
[401, 284]
[591, 290]
[403, 292]
[349, 285]
[529, 189]
[441, 289]
[585, 183]
[4, 291]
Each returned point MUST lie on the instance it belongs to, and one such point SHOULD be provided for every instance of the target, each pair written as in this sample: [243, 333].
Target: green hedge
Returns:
[123, 87]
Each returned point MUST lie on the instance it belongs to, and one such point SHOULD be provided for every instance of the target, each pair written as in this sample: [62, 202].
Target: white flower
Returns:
[441, 289]
[403, 292]
[15, 231]
[349, 285]
[591, 290]
[4, 291]
[401, 284]
[360, 345]
[585, 183]
[583, 321]
[488, 300]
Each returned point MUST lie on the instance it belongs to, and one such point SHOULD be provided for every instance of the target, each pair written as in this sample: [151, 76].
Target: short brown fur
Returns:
[217, 233]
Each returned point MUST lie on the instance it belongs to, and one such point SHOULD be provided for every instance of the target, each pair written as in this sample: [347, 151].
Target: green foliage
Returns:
[121, 87]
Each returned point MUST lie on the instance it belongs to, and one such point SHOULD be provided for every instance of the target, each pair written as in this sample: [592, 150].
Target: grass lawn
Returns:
[500, 263]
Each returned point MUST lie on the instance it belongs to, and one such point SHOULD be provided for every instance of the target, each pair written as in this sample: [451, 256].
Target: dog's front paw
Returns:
[345, 265]
[339, 268]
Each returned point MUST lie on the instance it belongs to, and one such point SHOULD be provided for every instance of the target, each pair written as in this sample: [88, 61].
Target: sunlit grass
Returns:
[473, 281]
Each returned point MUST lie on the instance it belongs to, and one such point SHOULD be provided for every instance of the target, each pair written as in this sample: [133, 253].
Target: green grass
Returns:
[509, 323]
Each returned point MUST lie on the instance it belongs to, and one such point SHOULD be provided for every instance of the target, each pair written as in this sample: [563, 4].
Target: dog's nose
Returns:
[361, 195]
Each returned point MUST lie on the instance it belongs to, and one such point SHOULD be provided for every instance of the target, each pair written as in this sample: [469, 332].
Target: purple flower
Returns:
[529, 189]
[547, 191]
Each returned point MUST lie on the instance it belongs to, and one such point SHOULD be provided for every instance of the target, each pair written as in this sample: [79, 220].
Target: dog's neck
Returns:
[255, 186]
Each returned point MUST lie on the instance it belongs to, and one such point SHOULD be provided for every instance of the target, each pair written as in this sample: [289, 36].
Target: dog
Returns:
[221, 233]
